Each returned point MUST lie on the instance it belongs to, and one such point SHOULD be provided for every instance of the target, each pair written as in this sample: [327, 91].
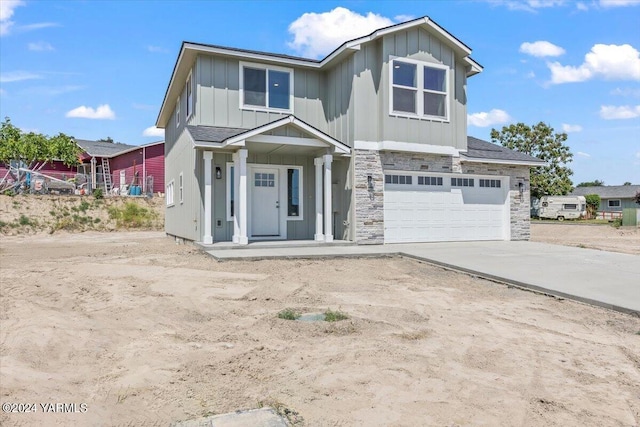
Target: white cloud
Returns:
[153, 131]
[571, 128]
[581, 6]
[156, 49]
[530, 75]
[541, 49]
[612, 112]
[493, 117]
[18, 76]
[103, 112]
[403, 18]
[7, 8]
[37, 26]
[638, 154]
[582, 154]
[527, 5]
[40, 46]
[619, 3]
[626, 91]
[610, 62]
[317, 34]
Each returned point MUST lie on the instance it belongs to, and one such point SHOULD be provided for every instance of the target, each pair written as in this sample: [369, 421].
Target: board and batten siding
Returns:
[372, 121]
[218, 96]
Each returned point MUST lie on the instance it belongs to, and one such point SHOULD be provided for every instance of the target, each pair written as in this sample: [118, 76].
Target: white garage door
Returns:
[445, 207]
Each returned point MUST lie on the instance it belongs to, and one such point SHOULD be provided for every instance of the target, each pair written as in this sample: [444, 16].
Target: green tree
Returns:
[107, 139]
[35, 149]
[627, 183]
[593, 203]
[596, 183]
[540, 141]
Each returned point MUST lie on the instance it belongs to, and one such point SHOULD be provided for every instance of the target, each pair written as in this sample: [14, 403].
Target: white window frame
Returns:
[189, 95]
[614, 200]
[169, 193]
[283, 190]
[178, 112]
[419, 114]
[266, 68]
[181, 187]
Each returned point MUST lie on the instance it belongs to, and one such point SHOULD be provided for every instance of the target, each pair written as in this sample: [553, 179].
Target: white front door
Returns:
[265, 202]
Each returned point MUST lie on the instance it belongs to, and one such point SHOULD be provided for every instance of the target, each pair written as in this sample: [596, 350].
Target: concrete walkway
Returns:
[607, 279]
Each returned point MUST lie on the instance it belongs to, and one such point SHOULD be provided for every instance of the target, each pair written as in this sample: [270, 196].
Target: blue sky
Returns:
[93, 69]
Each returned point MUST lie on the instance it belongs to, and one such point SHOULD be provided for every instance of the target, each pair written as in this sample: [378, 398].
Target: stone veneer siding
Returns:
[369, 203]
[520, 205]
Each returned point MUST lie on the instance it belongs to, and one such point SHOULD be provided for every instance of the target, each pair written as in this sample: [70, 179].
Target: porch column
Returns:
[241, 208]
[328, 208]
[93, 173]
[207, 238]
[319, 236]
[236, 191]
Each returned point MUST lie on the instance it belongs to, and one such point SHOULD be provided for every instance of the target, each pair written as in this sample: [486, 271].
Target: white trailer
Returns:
[562, 207]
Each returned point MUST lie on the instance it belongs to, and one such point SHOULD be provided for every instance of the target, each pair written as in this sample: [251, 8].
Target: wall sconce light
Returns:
[218, 172]
[521, 188]
[370, 182]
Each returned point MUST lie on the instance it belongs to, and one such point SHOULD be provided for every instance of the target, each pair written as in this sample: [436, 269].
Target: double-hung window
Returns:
[419, 89]
[266, 88]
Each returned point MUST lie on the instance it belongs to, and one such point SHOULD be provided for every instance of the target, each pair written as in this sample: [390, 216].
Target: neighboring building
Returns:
[368, 144]
[126, 165]
[613, 198]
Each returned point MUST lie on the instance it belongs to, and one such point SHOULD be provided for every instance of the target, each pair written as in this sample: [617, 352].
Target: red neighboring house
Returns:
[128, 164]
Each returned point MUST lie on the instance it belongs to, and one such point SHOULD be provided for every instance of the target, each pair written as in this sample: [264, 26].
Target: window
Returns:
[419, 89]
[570, 207]
[489, 183]
[169, 193]
[189, 97]
[178, 112]
[462, 182]
[429, 180]
[180, 186]
[264, 179]
[267, 88]
[293, 192]
[398, 179]
[614, 203]
[231, 188]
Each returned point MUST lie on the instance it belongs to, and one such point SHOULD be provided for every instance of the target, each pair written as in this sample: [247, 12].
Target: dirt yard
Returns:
[603, 237]
[145, 332]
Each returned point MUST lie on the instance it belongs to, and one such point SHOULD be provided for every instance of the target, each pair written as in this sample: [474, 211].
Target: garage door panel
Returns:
[431, 216]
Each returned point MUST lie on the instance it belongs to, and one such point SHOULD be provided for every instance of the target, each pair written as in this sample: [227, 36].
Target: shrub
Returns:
[334, 316]
[84, 205]
[25, 220]
[131, 216]
[593, 202]
[617, 223]
[98, 194]
[288, 314]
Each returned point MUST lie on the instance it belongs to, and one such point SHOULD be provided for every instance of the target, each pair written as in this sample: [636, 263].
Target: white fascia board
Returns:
[251, 55]
[503, 162]
[412, 147]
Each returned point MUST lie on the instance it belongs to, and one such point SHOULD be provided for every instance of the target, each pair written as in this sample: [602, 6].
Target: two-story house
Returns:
[368, 145]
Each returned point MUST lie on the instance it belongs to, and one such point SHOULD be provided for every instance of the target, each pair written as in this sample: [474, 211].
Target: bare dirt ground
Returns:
[146, 332]
[603, 237]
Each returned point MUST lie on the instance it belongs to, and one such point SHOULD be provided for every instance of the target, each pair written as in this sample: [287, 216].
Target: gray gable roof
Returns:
[102, 148]
[213, 133]
[609, 191]
[478, 149]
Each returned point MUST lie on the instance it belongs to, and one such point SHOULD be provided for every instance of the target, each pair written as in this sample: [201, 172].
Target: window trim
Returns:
[169, 193]
[181, 188]
[178, 112]
[188, 91]
[265, 67]
[419, 114]
[619, 205]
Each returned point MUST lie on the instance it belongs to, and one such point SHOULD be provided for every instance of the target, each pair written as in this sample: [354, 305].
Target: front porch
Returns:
[273, 186]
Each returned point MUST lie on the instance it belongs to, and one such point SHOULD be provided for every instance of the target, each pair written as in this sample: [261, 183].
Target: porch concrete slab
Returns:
[607, 279]
[264, 417]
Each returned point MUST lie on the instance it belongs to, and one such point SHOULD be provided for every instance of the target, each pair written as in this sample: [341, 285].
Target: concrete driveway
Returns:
[607, 279]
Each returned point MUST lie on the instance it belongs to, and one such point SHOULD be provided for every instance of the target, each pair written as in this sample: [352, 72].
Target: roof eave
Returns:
[532, 163]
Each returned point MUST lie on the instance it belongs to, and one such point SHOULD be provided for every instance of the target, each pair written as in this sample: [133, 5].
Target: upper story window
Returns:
[266, 87]
[189, 97]
[419, 89]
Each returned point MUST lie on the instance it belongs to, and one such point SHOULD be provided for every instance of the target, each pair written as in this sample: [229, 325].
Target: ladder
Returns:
[106, 176]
